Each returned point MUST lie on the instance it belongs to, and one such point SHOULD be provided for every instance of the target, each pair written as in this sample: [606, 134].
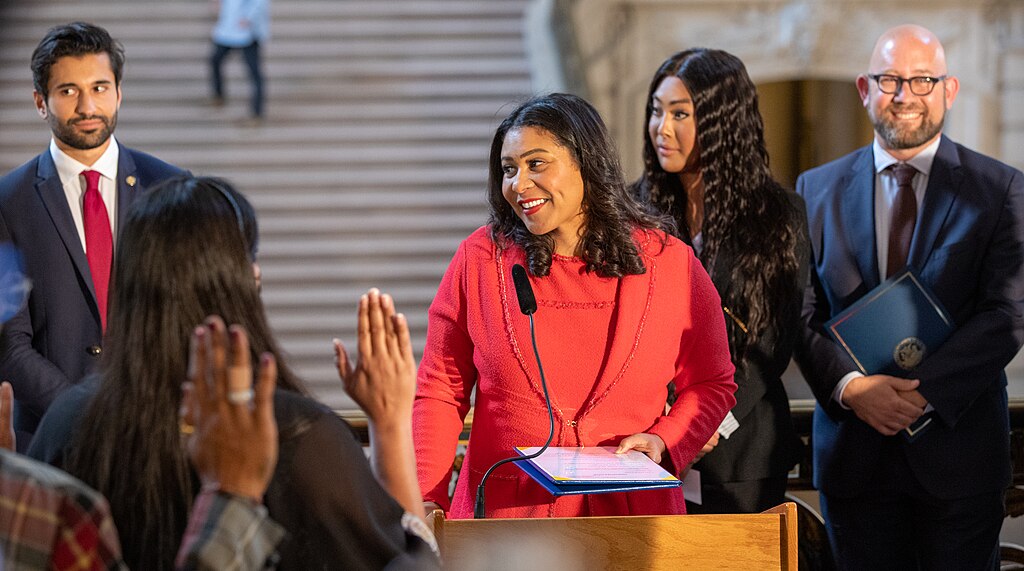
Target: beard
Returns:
[67, 134]
[900, 136]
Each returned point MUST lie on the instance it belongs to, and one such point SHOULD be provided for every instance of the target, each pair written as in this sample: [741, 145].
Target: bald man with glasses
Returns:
[914, 198]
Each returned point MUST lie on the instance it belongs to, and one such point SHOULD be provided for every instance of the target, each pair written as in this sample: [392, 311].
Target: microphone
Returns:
[527, 305]
[524, 291]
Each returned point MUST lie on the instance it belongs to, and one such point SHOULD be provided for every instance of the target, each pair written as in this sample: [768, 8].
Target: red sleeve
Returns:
[444, 383]
[86, 538]
[704, 373]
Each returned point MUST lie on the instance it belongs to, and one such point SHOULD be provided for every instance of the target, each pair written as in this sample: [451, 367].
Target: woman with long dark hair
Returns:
[624, 311]
[706, 165]
[185, 253]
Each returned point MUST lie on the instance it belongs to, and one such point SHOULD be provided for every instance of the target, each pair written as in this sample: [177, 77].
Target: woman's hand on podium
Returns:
[650, 444]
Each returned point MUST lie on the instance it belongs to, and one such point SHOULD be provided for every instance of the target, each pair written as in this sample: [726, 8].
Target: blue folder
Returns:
[571, 487]
[568, 489]
[893, 328]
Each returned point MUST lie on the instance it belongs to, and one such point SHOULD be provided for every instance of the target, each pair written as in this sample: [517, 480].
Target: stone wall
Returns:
[621, 42]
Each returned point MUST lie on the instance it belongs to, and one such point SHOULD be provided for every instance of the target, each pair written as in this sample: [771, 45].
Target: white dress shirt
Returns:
[70, 172]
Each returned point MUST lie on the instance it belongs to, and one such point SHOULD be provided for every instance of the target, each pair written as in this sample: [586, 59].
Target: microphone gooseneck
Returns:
[528, 305]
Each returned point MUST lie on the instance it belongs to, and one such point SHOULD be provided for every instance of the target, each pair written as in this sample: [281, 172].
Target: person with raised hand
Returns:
[187, 252]
[233, 446]
[383, 383]
[53, 509]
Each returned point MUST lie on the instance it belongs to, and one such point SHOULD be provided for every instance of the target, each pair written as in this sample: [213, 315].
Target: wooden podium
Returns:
[761, 541]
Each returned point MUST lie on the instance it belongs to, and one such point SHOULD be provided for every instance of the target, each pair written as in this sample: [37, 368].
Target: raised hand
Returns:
[383, 382]
[233, 444]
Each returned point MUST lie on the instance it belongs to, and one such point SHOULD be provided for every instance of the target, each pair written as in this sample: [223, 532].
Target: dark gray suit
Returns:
[56, 339]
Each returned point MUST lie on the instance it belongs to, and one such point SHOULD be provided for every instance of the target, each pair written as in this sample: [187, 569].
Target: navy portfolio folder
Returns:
[892, 329]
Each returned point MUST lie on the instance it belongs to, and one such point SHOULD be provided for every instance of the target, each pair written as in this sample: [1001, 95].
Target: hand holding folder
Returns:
[594, 470]
[892, 330]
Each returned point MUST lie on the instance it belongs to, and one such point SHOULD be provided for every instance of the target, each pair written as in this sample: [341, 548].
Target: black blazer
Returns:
[968, 247]
[765, 444]
[56, 339]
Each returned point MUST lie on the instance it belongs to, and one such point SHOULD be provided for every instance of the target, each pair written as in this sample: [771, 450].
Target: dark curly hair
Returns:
[610, 213]
[747, 216]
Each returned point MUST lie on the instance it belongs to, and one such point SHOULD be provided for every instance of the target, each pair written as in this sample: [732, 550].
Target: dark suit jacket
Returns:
[765, 444]
[56, 339]
[968, 246]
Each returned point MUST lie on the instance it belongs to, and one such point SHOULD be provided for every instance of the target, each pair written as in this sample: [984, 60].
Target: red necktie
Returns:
[99, 244]
[904, 216]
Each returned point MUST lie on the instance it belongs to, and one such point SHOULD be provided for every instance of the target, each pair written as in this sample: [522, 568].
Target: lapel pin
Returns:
[130, 180]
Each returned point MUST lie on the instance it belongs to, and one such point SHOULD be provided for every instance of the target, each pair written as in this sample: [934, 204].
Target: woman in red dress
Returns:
[626, 314]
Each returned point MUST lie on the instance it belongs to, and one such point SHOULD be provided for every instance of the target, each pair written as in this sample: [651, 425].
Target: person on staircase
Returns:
[242, 25]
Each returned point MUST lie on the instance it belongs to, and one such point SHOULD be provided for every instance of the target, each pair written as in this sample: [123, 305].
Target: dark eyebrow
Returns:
[70, 84]
[526, 154]
[673, 102]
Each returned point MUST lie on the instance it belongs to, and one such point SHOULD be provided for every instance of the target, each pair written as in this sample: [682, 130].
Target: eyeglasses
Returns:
[920, 85]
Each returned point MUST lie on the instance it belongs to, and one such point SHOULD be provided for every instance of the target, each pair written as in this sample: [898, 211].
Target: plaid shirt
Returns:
[49, 520]
[228, 533]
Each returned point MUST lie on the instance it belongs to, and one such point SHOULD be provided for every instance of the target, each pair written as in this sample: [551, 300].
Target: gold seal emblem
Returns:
[130, 180]
[909, 353]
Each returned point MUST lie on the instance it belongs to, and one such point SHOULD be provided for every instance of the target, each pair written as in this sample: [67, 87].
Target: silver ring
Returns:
[240, 397]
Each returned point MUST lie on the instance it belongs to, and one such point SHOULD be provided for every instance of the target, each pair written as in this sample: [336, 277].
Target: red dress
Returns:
[663, 326]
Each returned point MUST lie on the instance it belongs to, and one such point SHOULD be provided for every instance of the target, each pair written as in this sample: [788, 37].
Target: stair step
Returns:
[479, 67]
[294, 93]
[370, 168]
[130, 12]
[460, 132]
[197, 29]
[287, 49]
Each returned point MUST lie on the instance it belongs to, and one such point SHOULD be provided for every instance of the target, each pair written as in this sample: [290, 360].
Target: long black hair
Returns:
[610, 213]
[184, 254]
[747, 216]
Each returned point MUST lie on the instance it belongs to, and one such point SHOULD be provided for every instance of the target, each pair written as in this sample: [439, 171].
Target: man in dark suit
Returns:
[914, 198]
[62, 210]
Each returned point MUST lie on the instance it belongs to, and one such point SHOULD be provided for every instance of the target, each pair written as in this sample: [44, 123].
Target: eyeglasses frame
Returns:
[933, 81]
